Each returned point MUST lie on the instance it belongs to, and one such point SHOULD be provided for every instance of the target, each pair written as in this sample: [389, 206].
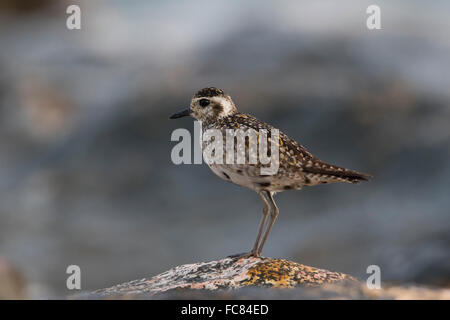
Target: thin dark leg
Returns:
[273, 216]
[266, 210]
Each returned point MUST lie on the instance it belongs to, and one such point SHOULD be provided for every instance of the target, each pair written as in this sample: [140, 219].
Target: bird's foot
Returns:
[244, 255]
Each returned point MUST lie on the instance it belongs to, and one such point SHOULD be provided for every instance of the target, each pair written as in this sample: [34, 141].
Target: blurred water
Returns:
[86, 176]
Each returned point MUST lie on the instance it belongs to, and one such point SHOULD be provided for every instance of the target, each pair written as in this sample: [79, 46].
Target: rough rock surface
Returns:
[257, 278]
[228, 273]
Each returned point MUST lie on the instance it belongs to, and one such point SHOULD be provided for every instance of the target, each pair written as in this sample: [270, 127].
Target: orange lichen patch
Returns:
[287, 274]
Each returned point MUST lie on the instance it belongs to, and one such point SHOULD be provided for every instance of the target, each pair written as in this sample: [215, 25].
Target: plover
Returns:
[296, 166]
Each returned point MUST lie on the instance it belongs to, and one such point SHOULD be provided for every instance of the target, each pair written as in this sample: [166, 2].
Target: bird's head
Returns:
[208, 104]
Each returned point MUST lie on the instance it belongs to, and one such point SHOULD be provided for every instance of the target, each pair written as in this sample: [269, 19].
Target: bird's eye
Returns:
[204, 102]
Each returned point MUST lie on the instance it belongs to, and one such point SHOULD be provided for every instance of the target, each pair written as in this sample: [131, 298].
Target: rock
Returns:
[257, 278]
[228, 273]
[12, 282]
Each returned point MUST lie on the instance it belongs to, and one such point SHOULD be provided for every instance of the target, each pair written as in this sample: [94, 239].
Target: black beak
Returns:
[184, 113]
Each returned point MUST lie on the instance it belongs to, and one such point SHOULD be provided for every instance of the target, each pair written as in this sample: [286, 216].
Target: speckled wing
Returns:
[295, 161]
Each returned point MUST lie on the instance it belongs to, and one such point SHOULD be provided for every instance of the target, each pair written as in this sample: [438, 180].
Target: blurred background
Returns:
[85, 171]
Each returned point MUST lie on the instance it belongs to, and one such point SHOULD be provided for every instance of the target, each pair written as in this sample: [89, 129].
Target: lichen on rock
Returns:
[229, 273]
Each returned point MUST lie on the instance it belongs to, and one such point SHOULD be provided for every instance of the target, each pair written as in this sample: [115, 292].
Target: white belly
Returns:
[248, 177]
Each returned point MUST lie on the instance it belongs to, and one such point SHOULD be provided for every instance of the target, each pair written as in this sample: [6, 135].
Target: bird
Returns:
[297, 167]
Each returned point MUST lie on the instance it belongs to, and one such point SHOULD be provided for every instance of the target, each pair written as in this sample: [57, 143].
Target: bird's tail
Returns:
[325, 171]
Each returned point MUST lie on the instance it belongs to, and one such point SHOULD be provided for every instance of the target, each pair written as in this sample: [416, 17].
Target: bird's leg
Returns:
[254, 251]
[273, 216]
[266, 211]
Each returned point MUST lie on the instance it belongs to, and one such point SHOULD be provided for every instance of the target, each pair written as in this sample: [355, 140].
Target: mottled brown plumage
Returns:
[296, 166]
[209, 92]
